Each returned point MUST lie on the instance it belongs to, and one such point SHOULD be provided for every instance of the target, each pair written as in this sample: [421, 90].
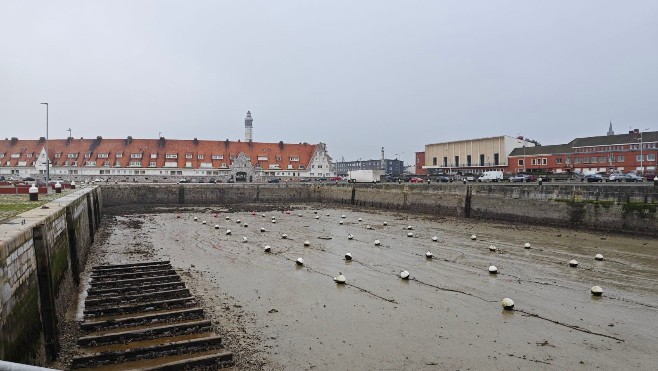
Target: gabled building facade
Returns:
[163, 158]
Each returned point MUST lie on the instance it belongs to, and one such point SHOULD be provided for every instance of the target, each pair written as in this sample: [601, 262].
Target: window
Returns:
[496, 159]
[135, 163]
[171, 164]
[445, 162]
[152, 164]
[118, 155]
[29, 155]
[521, 163]
[88, 155]
[223, 165]
[456, 161]
[638, 157]
[90, 163]
[103, 155]
[593, 159]
[57, 155]
[577, 160]
[171, 155]
[434, 161]
[70, 155]
[154, 155]
[544, 161]
[188, 156]
[199, 157]
[217, 157]
[651, 157]
[135, 155]
[558, 160]
[294, 159]
[468, 160]
[188, 163]
[2, 155]
[620, 158]
[481, 160]
[206, 165]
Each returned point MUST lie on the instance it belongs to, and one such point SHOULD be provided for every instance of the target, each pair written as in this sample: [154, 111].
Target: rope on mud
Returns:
[573, 327]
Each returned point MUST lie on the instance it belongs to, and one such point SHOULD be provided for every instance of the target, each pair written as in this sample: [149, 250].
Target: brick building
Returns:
[159, 158]
[633, 151]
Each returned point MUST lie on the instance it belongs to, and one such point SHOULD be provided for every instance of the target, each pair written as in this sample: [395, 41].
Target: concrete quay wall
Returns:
[614, 208]
[41, 254]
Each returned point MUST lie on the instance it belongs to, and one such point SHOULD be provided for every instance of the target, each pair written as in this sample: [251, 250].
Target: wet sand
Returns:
[276, 315]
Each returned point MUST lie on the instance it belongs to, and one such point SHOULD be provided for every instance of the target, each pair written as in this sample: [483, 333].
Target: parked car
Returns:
[336, 179]
[523, 178]
[469, 177]
[212, 180]
[491, 176]
[304, 180]
[615, 178]
[182, 180]
[632, 177]
[443, 179]
[28, 179]
[650, 177]
[274, 180]
[417, 180]
[591, 178]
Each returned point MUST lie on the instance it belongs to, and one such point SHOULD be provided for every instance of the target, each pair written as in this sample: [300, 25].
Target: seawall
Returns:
[612, 208]
[41, 254]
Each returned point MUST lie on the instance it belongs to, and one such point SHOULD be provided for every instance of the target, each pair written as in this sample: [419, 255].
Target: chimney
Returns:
[196, 142]
[383, 164]
[162, 142]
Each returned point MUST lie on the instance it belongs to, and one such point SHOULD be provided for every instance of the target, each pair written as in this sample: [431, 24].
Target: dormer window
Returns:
[29, 155]
[171, 155]
[118, 155]
[88, 155]
[135, 155]
[188, 156]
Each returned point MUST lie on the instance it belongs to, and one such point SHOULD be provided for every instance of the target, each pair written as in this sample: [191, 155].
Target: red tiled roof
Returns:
[276, 153]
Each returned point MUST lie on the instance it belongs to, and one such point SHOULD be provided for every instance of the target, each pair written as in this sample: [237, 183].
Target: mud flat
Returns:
[277, 315]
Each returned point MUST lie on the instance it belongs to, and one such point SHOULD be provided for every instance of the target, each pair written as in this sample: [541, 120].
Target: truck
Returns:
[491, 176]
[365, 176]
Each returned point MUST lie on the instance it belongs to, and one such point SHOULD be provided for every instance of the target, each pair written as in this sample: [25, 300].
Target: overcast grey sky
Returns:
[357, 75]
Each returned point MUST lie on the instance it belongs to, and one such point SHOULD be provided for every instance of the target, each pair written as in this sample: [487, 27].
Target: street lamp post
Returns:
[67, 156]
[47, 156]
[641, 153]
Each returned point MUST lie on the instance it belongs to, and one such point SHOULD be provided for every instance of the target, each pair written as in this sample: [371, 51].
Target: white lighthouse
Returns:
[248, 128]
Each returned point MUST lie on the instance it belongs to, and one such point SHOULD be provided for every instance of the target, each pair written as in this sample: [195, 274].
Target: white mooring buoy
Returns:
[493, 269]
[284, 236]
[377, 243]
[262, 229]
[340, 279]
[195, 218]
[404, 275]
[350, 237]
[492, 248]
[573, 263]
[507, 304]
[299, 261]
[203, 222]
[216, 226]
[526, 245]
[244, 239]
[429, 255]
[435, 239]
[597, 291]
[410, 234]
[410, 227]
[385, 223]
[340, 222]
[267, 248]
[474, 237]
[317, 217]
[307, 243]
[348, 256]
[598, 257]
[228, 231]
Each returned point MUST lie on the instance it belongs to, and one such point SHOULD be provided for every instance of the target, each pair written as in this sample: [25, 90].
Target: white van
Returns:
[491, 176]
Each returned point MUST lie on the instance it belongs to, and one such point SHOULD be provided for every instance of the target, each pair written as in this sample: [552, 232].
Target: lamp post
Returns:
[68, 160]
[641, 154]
[47, 156]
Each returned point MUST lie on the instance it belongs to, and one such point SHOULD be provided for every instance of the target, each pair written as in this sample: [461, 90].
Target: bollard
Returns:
[655, 181]
[539, 181]
[58, 188]
[73, 184]
[464, 181]
[34, 193]
[429, 181]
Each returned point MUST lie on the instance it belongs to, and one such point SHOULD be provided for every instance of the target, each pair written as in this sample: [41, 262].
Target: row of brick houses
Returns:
[163, 158]
[635, 151]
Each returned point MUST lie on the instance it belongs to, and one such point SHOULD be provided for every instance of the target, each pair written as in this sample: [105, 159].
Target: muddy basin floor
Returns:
[274, 314]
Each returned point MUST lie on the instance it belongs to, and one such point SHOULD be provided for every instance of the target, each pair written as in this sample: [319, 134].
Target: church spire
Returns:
[610, 132]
